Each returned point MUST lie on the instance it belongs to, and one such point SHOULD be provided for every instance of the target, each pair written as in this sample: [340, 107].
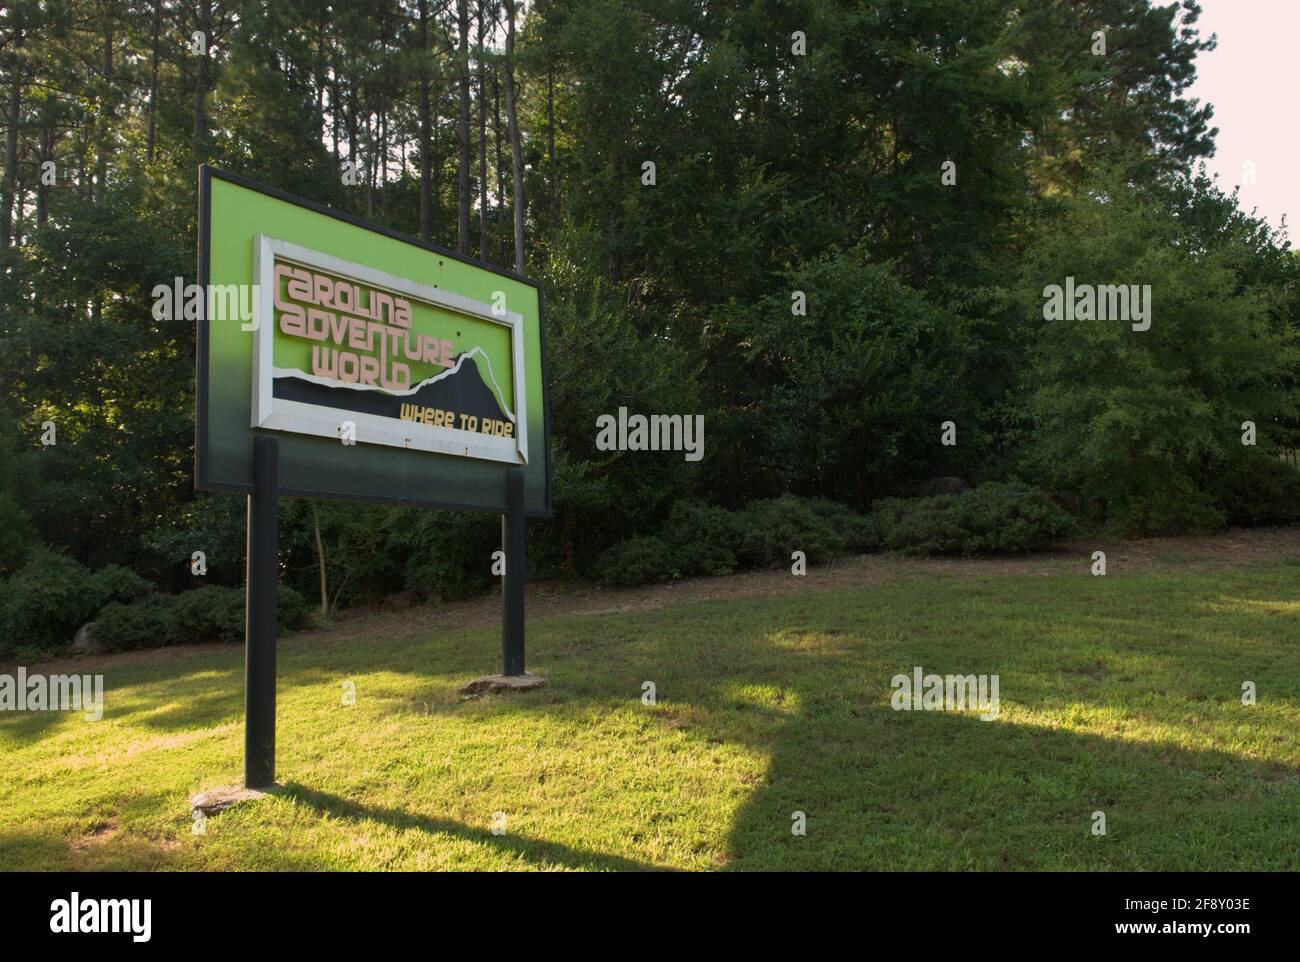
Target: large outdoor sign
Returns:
[390, 370]
[338, 359]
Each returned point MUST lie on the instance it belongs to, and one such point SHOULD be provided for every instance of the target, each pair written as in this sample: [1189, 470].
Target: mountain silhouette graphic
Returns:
[464, 391]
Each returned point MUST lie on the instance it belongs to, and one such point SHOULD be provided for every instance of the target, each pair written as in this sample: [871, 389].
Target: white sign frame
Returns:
[280, 414]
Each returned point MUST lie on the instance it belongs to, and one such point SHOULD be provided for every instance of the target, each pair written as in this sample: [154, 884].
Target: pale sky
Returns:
[1253, 82]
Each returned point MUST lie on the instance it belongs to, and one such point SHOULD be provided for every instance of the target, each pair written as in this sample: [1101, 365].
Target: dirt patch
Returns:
[88, 664]
[110, 848]
[554, 599]
[576, 599]
[98, 835]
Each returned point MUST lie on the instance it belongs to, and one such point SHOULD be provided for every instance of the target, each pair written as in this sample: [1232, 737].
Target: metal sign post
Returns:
[512, 585]
[260, 616]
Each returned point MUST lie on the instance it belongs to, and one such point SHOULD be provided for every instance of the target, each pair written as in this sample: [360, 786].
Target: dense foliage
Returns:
[211, 613]
[995, 518]
[845, 247]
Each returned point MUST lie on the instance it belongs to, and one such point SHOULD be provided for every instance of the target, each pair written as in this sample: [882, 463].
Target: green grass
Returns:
[1119, 694]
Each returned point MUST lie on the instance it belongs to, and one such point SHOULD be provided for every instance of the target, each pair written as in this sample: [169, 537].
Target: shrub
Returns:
[147, 623]
[116, 583]
[1255, 488]
[40, 605]
[702, 539]
[638, 560]
[1158, 501]
[26, 654]
[447, 552]
[994, 518]
[210, 613]
[858, 531]
[291, 609]
[770, 531]
[43, 605]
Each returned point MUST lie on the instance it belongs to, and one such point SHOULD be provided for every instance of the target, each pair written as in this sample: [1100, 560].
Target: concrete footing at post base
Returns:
[216, 800]
[492, 684]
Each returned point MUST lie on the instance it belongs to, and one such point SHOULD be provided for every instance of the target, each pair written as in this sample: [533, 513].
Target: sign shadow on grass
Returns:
[536, 852]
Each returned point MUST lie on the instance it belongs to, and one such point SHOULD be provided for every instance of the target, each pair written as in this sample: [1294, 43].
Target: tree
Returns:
[1128, 420]
[516, 142]
[462, 126]
[1126, 105]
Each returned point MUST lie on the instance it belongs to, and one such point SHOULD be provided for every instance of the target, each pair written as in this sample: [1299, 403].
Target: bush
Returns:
[994, 518]
[291, 609]
[43, 605]
[211, 613]
[147, 623]
[770, 531]
[858, 531]
[702, 539]
[447, 552]
[637, 561]
[1255, 488]
[116, 583]
[699, 539]
[1158, 502]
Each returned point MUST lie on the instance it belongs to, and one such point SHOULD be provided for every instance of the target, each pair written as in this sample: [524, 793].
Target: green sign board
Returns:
[388, 369]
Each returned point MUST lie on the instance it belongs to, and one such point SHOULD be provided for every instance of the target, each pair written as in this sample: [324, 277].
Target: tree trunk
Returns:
[383, 156]
[11, 144]
[320, 76]
[425, 145]
[152, 137]
[381, 120]
[516, 144]
[370, 167]
[336, 111]
[320, 555]
[462, 223]
[551, 199]
[496, 140]
[201, 84]
[106, 108]
[435, 206]
[482, 137]
[350, 119]
[45, 153]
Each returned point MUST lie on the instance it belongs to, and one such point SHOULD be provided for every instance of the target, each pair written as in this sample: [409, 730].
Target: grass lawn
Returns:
[1119, 694]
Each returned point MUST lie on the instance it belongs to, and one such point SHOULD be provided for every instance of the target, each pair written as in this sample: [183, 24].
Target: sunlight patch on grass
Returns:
[1268, 606]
